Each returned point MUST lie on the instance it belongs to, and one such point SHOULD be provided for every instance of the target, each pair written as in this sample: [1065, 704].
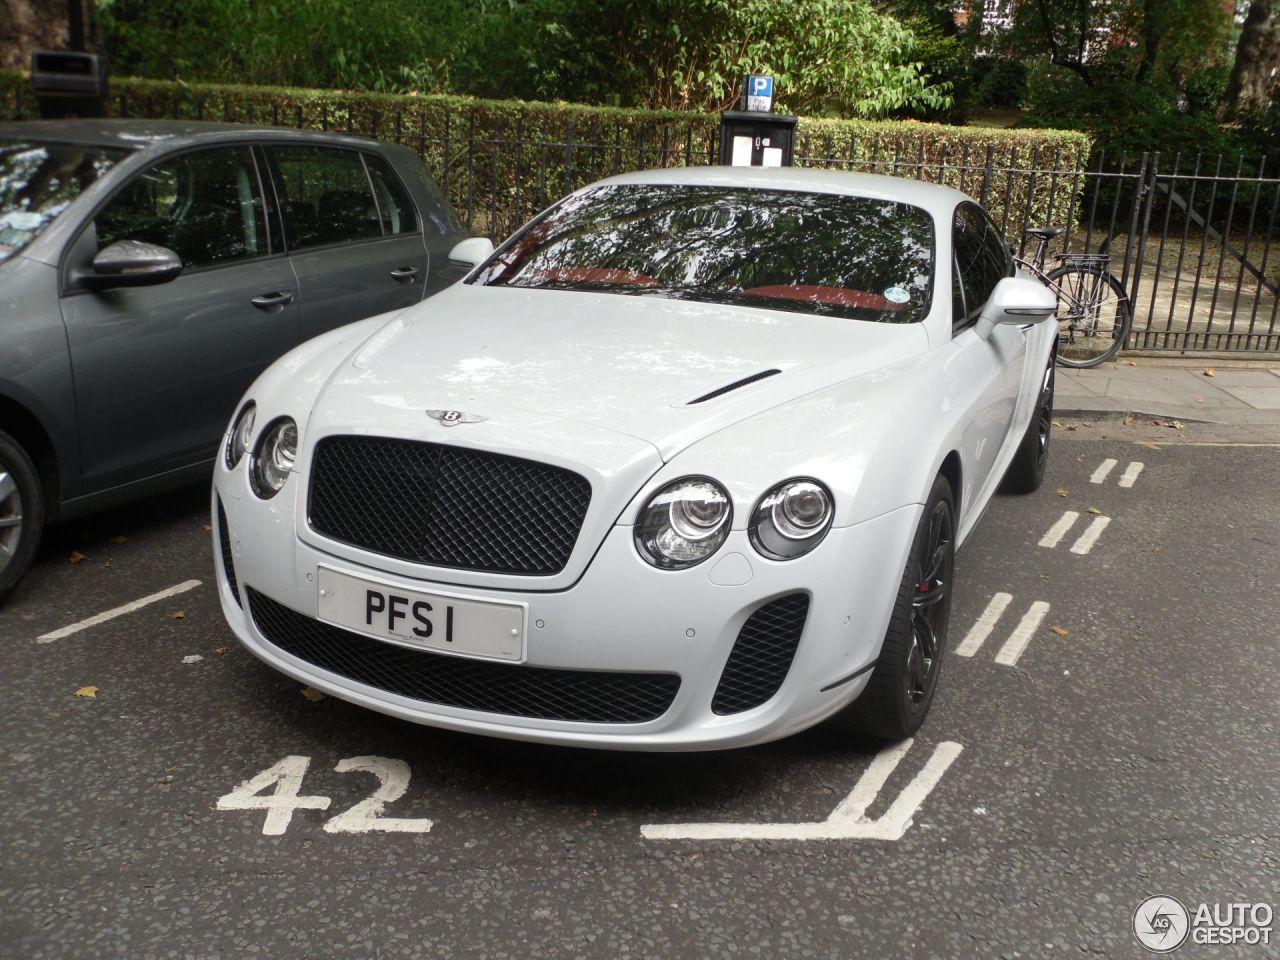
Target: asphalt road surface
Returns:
[1110, 736]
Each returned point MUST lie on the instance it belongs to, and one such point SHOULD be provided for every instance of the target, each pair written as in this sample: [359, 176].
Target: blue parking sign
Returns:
[759, 93]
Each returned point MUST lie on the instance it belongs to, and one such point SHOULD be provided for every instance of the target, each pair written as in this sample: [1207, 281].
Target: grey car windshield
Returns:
[822, 253]
[38, 181]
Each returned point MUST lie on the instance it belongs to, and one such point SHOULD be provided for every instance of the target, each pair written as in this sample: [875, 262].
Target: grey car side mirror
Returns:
[132, 263]
[470, 253]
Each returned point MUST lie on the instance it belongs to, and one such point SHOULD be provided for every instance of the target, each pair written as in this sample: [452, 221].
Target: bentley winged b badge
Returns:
[451, 418]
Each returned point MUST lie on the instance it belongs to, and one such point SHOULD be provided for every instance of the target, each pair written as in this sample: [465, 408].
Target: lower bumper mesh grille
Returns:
[762, 655]
[580, 695]
[224, 545]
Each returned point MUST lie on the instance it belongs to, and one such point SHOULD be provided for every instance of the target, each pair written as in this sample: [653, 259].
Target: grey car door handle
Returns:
[405, 274]
[271, 302]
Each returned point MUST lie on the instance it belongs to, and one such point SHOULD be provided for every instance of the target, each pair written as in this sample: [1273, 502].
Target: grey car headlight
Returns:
[241, 431]
[791, 519]
[684, 523]
[274, 457]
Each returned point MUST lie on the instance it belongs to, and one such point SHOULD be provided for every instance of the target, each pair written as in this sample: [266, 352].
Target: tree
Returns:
[1257, 58]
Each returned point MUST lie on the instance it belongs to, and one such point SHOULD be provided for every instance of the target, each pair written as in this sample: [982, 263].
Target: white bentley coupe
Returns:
[682, 465]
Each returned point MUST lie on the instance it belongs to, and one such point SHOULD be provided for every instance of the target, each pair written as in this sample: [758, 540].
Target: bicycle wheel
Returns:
[1093, 315]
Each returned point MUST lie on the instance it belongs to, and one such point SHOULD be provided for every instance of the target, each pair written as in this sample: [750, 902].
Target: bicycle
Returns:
[1093, 309]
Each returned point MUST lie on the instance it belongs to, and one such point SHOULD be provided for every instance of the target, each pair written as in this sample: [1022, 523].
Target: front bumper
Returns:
[620, 616]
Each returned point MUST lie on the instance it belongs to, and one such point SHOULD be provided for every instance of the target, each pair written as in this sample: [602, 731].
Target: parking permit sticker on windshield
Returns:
[897, 295]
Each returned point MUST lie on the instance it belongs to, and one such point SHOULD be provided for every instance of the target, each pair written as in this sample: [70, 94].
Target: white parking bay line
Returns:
[1090, 535]
[1059, 529]
[1103, 470]
[1130, 474]
[979, 632]
[848, 820]
[1022, 633]
[120, 611]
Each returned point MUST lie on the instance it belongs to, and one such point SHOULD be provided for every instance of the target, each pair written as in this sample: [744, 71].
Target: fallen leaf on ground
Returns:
[1128, 421]
[179, 615]
[312, 694]
[1095, 511]
[118, 540]
[1210, 372]
[192, 658]
[1072, 427]
[207, 527]
[1085, 423]
[221, 651]
[1044, 576]
[88, 693]
[1057, 423]
[1062, 491]
[107, 562]
[1060, 631]
[1131, 363]
[1155, 549]
[76, 557]
[1176, 424]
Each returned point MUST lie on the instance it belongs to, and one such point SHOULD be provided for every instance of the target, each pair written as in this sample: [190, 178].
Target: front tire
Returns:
[902, 685]
[21, 513]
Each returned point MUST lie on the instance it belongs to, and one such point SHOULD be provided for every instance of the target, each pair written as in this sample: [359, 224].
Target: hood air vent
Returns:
[720, 391]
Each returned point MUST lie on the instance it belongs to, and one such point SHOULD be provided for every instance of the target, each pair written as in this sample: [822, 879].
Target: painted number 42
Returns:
[365, 817]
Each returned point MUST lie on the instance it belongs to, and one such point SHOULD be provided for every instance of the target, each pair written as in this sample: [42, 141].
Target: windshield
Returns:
[38, 181]
[823, 253]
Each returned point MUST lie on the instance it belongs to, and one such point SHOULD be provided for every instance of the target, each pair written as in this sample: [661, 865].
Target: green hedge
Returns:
[502, 161]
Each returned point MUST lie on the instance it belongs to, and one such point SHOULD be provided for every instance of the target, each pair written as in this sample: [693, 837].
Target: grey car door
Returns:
[354, 237]
[158, 369]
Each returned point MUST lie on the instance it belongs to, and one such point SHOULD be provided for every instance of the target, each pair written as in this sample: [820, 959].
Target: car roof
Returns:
[144, 134]
[937, 199]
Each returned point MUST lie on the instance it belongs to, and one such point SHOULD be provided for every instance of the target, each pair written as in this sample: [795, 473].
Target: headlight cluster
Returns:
[241, 432]
[684, 523]
[273, 456]
[687, 520]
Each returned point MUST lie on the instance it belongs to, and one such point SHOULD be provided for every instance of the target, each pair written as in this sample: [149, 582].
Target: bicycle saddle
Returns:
[1048, 233]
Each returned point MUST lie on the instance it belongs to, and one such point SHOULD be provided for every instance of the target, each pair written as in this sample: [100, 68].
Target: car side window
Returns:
[206, 206]
[326, 196]
[982, 261]
[394, 205]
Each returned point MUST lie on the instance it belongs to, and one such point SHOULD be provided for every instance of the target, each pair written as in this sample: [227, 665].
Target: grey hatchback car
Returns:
[149, 270]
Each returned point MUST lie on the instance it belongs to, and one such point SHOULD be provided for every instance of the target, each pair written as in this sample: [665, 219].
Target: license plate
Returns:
[478, 628]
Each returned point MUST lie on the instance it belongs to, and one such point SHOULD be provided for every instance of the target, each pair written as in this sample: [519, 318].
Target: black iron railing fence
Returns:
[1191, 237]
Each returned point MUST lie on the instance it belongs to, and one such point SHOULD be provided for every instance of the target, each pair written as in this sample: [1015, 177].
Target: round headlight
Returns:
[241, 432]
[274, 457]
[683, 523]
[791, 519]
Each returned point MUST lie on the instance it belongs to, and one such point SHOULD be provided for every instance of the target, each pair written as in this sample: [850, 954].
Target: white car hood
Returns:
[625, 364]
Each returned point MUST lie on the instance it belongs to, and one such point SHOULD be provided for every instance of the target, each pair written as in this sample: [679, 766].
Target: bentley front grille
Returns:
[446, 506]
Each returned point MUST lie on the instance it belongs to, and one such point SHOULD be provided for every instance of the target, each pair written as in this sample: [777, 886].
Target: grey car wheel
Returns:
[21, 512]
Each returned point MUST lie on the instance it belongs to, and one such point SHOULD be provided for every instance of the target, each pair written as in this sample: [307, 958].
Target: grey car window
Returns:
[853, 257]
[398, 215]
[982, 258]
[205, 206]
[38, 181]
[326, 196]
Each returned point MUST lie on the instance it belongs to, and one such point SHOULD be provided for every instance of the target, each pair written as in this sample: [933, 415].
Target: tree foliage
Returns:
[830, 57]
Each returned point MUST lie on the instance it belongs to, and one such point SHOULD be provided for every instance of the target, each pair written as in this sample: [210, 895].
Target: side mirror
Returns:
[470, 253]
[1016, 300]
[132, 263]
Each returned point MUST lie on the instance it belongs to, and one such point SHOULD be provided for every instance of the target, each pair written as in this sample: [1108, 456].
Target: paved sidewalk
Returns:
[1236, 393]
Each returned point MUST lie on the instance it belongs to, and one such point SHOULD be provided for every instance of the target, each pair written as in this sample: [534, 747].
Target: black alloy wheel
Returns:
[901, 687]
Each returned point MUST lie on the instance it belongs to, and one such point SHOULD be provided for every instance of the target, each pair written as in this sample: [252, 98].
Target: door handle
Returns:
[405, 274]
[273, 302]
